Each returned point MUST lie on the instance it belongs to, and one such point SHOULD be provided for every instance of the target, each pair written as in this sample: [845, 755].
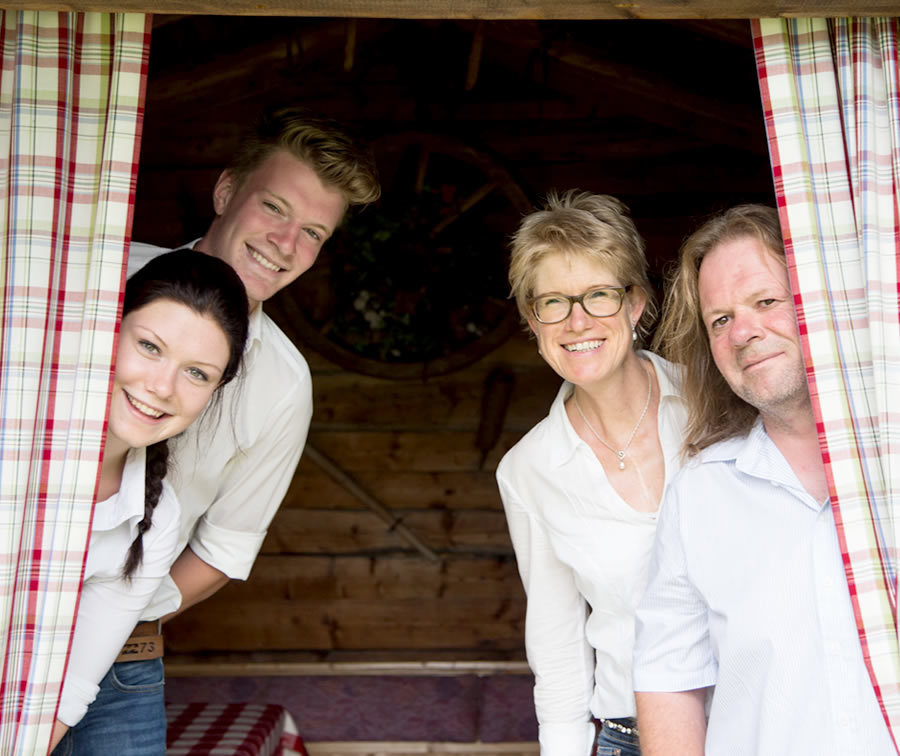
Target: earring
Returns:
[633, 332]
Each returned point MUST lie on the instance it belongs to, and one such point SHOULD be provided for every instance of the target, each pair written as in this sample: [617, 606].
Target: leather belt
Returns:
[626, 725]
[146, 642]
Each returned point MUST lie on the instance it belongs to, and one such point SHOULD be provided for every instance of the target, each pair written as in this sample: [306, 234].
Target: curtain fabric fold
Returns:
[831, 96]
[71, 108]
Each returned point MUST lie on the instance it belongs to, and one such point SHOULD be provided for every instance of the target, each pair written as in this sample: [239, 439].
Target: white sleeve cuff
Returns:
[566, 739]
[230, 551]
[656, 679]
[77, 695]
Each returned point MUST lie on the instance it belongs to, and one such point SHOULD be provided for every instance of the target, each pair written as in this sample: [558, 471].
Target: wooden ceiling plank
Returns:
[486, 9]
[649, 95]
[350, 45]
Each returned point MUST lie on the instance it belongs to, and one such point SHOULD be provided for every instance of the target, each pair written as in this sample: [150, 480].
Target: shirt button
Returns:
[843, 720]
[834, 648]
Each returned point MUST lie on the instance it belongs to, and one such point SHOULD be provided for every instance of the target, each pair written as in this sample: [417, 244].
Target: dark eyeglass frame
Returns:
[620, 290]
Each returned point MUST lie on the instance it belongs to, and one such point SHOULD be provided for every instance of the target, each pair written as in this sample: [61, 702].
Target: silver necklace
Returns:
[620, 453]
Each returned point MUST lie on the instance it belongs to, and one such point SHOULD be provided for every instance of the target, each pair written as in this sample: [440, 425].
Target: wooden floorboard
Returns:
[184, 667]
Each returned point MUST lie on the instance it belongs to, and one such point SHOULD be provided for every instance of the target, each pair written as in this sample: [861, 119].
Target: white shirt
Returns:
[582, 554]
[110, 606]
[747, 592]
[233, 466]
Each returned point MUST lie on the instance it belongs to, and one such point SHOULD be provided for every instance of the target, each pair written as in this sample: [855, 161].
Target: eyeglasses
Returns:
[599, 302]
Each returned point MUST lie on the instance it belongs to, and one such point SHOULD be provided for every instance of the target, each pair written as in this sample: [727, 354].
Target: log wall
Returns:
[333, 577]
[664, 116]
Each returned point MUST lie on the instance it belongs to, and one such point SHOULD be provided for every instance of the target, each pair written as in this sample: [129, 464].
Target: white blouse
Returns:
[583, 556]
[110, 606]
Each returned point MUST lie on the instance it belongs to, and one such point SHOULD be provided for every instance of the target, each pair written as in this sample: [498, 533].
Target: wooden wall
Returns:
[332, 576]
[665, 116]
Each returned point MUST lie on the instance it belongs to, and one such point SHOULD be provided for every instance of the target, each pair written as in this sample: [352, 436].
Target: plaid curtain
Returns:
[831, 95]
[71, 108]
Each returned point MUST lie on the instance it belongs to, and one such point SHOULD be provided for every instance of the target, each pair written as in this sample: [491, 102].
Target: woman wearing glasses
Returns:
[582, 489]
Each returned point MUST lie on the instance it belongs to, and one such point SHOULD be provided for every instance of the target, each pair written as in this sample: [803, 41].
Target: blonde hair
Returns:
[319, 142]
[715, 412]
[595, 226]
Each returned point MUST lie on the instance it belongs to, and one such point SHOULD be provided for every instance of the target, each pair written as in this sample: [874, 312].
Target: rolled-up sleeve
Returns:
[229, 534]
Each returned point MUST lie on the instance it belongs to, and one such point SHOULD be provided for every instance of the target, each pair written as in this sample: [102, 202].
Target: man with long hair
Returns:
[747, 611]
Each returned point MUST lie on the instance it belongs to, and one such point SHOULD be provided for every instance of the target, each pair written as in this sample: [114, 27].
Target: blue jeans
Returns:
[128, 717]
[613, 743]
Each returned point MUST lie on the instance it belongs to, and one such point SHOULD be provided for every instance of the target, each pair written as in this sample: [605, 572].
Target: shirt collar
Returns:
[565, 441]
[563, 438]
[128, 502]
[254, 329]
[669, 385]
[743, 450]
[757, 455]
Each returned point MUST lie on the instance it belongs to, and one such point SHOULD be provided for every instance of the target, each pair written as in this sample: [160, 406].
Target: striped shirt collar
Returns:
[757, 455]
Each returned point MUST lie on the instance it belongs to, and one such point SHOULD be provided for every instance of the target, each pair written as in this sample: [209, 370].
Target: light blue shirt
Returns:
[747, 593]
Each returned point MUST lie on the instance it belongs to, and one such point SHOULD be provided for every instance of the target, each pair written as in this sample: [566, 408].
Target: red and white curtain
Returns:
[831, 96]
[71, 108]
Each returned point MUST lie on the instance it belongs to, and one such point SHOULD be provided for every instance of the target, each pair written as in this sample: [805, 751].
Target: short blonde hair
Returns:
[715, 412]
[338, 160]
[595, 226]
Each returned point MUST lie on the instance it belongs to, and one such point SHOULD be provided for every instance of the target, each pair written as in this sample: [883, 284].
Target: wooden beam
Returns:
[390, 451]
[386, 624]
[277, 577]
[395, 524]
[334, 532]
[645, 92]
[475, 57]
[183, 666]
[405, 490]
[191, 662]
[485, 9]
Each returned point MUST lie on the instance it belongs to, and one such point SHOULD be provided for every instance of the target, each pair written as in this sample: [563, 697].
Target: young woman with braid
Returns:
[183, 330]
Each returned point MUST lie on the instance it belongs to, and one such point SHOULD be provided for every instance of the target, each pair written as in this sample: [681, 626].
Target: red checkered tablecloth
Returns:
[239, 729]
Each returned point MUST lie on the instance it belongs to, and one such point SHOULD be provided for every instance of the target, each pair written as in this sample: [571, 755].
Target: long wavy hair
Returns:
[715, 412]
[212, 289]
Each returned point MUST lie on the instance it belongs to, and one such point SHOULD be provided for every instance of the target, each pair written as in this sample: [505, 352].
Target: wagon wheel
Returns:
[415, 286]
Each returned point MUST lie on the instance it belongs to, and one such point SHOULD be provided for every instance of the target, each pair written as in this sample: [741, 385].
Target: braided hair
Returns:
[211, 288]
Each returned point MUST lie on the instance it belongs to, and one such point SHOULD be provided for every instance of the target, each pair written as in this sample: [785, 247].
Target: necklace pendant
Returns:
[621, 464]
[621, 456]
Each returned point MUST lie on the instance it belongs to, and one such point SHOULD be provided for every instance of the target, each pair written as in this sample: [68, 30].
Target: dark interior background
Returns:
[473, 123]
